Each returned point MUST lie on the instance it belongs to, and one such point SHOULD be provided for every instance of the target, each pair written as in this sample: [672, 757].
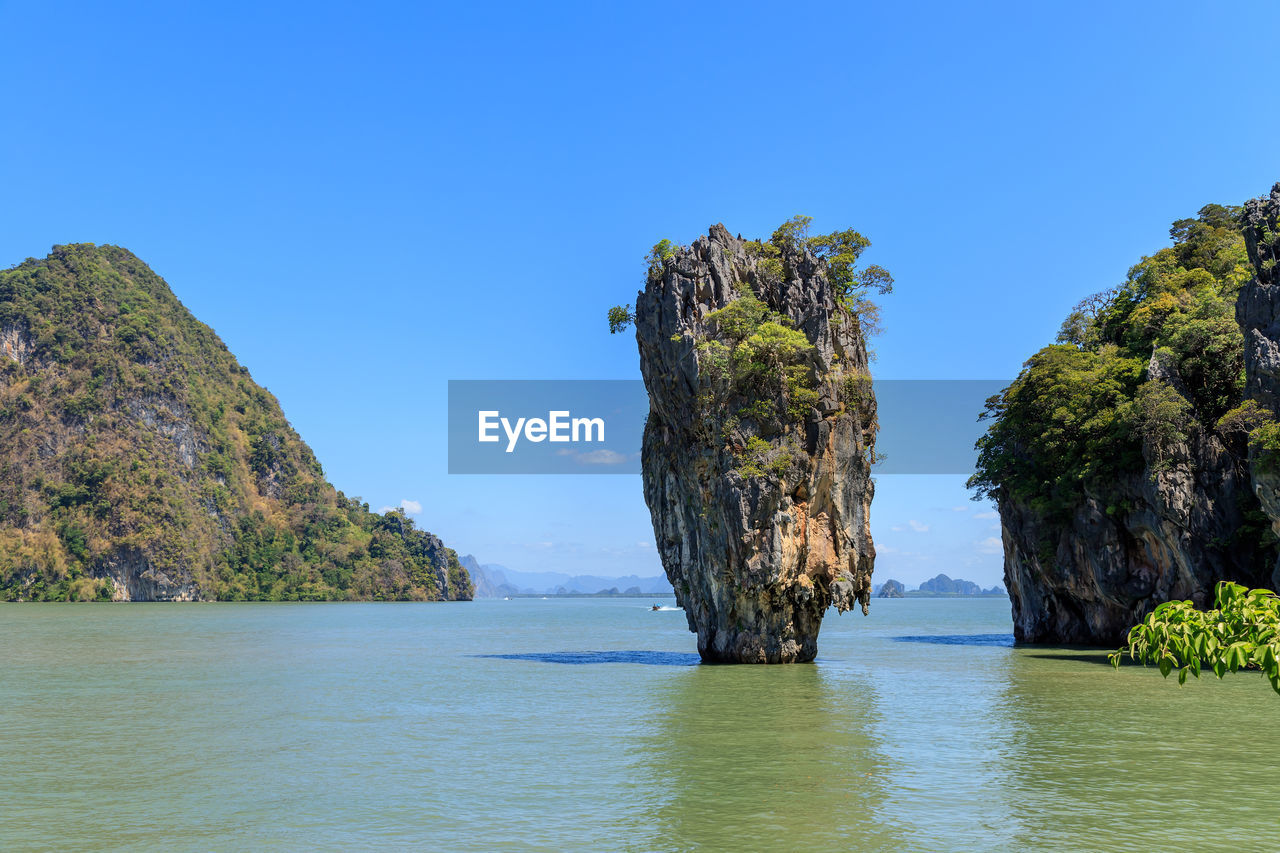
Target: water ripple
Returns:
[618, 656]
[1001, 640]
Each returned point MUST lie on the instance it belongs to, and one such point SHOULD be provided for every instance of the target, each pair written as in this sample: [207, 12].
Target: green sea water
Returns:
[585, 724]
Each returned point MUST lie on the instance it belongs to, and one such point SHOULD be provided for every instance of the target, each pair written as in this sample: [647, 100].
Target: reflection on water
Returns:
[767, 758]
[583, 725]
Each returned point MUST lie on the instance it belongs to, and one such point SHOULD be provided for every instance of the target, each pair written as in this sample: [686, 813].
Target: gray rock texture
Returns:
[1258, 312]
[755, 558]
[1168, 536]
[134, 578]
[1258, 308]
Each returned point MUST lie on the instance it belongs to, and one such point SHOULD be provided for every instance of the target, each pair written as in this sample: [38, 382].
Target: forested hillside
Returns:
[139, 460]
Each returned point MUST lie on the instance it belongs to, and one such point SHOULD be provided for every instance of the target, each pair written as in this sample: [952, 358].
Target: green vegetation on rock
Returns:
[839, 253]
[1144, 366]
[138, 458]
[755, 368]
[752, 352]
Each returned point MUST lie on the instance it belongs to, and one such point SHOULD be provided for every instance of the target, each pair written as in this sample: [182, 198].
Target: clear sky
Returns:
[366, 200]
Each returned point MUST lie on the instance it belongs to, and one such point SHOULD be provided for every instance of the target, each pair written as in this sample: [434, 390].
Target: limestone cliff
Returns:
[1148, 537]
[139, 460]
[1119, 458]
[1258, 311]
[758, 444]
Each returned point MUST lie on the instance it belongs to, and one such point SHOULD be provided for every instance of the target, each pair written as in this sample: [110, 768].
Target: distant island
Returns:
[940, 586]
[496, 581]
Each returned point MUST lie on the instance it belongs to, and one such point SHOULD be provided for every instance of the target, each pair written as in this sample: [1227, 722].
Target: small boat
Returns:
[656, 607]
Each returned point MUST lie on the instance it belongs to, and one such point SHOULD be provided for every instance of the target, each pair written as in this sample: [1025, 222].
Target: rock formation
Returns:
[139, 460]
[1258, 312]
[1176, 511]
[1089, 580]
[756, 466]
[946, 585]
[892, 589]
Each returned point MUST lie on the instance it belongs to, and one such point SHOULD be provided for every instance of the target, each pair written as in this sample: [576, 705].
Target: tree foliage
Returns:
[757, 370]
[1081, 411]
[1241, 632]
[620, 318]
[838, 251]
[752, 352]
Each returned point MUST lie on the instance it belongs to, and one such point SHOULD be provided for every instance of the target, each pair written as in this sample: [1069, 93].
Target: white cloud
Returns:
[959, 509]
[644, 544]
[985, 515]
[409, 507]
[991, 545]
[918, 526]
[596, 457]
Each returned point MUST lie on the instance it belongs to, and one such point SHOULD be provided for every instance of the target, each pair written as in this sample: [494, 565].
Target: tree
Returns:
[793, 233]
[620, 317]
[1162, 417]
[1242, 632]
[838, 251]
[1078, 328]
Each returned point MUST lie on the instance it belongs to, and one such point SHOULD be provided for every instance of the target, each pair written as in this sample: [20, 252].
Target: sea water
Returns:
[587, 724]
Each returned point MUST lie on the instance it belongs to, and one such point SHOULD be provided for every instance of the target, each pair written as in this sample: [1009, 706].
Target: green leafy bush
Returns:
[1242, 632]
[752, 352]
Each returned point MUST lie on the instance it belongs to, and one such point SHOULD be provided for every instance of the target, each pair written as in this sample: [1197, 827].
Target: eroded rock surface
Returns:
[761, 522]
[1168, 535]
[1258, 312]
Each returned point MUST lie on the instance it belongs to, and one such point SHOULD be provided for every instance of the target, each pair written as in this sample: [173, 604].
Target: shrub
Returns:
[1242, 632]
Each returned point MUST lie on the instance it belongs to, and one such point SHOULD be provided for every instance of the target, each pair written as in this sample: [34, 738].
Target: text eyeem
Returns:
[558, 426]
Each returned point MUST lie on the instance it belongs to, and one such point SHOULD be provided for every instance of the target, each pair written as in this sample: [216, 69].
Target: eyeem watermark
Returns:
[574, 426]
[558, 427]
[579, 426]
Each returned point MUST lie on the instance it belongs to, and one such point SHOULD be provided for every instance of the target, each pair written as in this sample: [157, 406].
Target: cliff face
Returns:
[1258, 311]
[139, 461]
[1120, 458]
[1154, 536]
[756, 452]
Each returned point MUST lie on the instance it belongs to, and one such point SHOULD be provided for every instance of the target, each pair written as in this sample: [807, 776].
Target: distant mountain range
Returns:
[494, 581]
[940, 585]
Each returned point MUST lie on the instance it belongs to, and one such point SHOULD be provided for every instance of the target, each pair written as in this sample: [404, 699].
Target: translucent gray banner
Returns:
[588, 426]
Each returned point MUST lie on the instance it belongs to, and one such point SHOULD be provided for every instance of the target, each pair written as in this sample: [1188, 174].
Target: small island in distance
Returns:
[941, 586]
[496, 581]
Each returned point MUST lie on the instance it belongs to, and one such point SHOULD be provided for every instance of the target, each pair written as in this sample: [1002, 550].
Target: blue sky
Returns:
[367, 201]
